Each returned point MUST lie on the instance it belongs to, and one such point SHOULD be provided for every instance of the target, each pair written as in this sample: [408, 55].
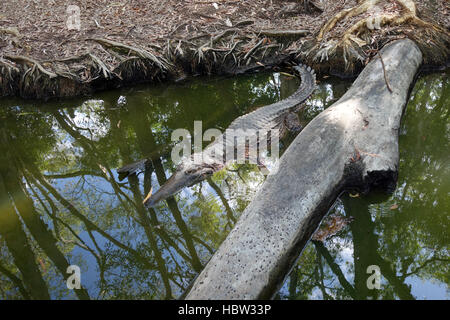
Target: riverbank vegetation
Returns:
[127, 42]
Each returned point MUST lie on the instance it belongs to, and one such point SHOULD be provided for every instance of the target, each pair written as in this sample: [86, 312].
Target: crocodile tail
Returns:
[308, 82]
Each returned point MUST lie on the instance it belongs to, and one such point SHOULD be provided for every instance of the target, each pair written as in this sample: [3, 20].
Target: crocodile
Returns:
[281, 116]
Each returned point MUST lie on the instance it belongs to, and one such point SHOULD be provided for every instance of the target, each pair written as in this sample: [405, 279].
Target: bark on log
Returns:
[352, 144]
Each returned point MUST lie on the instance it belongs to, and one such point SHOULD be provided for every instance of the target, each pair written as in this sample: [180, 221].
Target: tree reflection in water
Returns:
[62, 203]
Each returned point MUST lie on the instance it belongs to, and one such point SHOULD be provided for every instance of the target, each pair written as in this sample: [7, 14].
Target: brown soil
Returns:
[169, 39]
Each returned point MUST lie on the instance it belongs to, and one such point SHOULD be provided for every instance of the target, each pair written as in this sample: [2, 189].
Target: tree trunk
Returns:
[351, 145]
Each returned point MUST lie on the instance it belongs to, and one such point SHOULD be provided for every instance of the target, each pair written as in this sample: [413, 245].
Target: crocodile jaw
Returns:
[176, 182]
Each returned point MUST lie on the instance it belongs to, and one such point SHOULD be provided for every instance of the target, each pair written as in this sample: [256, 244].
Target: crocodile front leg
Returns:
[291, 123]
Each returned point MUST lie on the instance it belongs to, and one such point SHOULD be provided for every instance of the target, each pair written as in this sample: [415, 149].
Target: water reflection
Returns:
[62, 202]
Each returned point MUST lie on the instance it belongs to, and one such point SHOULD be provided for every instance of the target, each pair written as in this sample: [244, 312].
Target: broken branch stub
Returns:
[352, 144]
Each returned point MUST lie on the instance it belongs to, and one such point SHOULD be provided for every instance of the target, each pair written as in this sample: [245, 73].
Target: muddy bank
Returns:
[128, 42]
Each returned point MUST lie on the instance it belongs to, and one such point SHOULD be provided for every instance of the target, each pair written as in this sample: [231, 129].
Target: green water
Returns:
[62, 203]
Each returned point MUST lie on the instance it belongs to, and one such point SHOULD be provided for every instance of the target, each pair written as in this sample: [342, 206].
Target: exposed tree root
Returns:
[208, 46]
[107, 74]
[114, 45]
[33, 63]
[9, 75]
[253, 49]
[9, 66]
[74, 75]
[370, 23]
[345, 14]
[354, 49]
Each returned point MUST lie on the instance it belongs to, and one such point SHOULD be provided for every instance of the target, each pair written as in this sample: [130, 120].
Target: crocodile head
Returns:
[186, 175]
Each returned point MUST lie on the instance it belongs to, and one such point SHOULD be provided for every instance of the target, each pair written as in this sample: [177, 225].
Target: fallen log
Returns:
[351, 145]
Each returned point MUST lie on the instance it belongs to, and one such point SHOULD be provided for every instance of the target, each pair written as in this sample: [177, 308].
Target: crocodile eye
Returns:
[209, 172]
[189, 171]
